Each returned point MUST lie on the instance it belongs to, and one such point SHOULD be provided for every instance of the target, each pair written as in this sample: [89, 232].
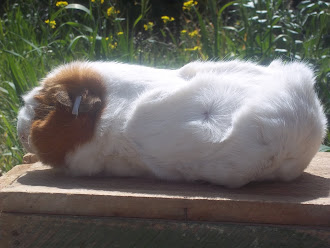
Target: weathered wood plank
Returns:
[37, 189]
[68, 231]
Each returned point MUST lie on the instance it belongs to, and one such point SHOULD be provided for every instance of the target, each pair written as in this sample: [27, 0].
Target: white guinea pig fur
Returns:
[227, 123]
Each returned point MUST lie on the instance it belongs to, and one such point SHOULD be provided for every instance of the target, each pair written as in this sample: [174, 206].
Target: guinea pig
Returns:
[227, 123]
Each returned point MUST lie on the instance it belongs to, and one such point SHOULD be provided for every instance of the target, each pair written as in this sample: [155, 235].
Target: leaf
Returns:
[324, 148]
[78, 7]
[281, 50]
[13, 53]
[225, 6]
[262, 20]
[78, 25]
[75, 40]
[204, 35]
[281, 36]
[230, 28]
[120, 19]
[4, 90]
[261, 11]
[137, 21]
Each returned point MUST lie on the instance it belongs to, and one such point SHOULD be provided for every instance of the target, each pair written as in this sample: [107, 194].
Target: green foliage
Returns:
[35, 36]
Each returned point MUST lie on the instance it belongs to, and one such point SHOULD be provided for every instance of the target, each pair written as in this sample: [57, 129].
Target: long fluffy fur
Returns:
[228, 123]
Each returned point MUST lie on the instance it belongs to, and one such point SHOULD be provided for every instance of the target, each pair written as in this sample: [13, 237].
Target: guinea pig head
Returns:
[70, 103]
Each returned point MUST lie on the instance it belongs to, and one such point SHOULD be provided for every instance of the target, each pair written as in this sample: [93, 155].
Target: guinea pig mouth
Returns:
[25, 138]
[26, 142]
[23, 127]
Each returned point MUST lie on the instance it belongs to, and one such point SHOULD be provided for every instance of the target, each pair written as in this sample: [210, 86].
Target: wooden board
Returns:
[38, 189]
[42, 231]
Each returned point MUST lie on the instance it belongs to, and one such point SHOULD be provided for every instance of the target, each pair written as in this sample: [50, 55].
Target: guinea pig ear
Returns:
[62, 97]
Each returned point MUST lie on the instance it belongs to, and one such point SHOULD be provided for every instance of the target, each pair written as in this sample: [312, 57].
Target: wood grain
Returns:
[38, 189]
[42, 231]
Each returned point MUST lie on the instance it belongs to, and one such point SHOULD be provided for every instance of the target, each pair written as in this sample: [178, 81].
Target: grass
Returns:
[36, 37]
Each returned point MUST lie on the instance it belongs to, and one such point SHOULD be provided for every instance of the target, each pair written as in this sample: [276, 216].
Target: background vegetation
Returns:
[35, 36]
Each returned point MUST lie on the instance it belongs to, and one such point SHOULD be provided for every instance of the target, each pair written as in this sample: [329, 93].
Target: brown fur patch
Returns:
[55, 130]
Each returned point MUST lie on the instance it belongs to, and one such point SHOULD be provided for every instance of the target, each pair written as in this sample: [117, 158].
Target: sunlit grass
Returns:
[36, 37]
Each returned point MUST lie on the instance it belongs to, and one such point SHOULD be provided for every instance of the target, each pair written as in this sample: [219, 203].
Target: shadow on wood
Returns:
[306, 187]
[43, 207]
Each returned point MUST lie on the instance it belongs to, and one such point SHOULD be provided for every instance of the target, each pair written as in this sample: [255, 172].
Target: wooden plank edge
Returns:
[167, 208]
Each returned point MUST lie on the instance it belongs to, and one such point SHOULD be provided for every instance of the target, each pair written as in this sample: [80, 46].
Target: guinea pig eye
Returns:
[23, 137]
[29, 110]
[42, 111]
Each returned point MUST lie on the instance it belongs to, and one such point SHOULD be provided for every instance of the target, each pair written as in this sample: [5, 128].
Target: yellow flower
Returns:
[92, 1]
[61, 3]
[52, 24]
[167, 19]
[148, 26]
[183, 31]
[189, 4]
[193, 33]
[112, 11]
[113, 46]
[195, 48]
[102, 1]
[120, 33]
[109, 38]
